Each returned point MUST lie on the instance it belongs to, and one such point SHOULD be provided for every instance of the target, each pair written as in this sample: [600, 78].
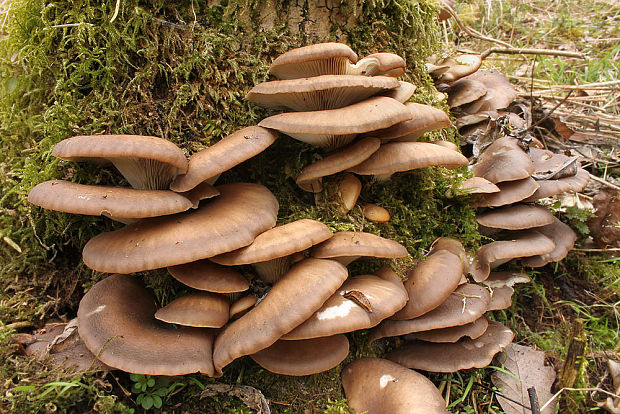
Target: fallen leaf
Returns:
[528, 370]
[605, 225]
[250, 396]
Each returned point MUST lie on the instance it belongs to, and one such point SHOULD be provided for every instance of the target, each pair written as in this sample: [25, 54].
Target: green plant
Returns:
[151, 391]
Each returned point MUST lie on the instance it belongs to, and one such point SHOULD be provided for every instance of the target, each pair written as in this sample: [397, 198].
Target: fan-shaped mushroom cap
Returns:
[424, 118]
[564, 238]
[223, 155]
[503, 160]
[306, 357]
[460, 66]
[146, 162]
[500, 93]
[548, 188]
[405, 156]
[446, 144]
[501, 298]
[403, 92]
[430, 283]
[313, 60]
[479, 185]
[230, 221]
[379, 386]
[349, 190]
[546, 161]
[466, 304]
[347, 245]
[376, 213]
[453, 246]
[472, 330]
[360, 303]
[286, 306]
[337, 127]
[277, 242]
[509, 192]
[242, 305]
[464, 91]
[115, 321]
[202, 191]
[344, 158]
[380, 64]
[113, 202]
[319, 92]
[199, 309]
[469, 353]
[206, 275]
[501, 279]
[516, 217]
[522, 244]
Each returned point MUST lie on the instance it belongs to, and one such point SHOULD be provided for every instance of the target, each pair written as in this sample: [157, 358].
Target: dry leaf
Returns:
[605, 225]
[250, 396]
[529, 370]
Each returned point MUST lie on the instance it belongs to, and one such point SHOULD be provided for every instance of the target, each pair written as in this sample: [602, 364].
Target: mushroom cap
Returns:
[381, 64]
[501, 298]
[349, 243]
[501, 279]
[405, 156]
[199, 309]
[503, 160]
[516, 217]
[319, 92]
[202, 191]
[479, 185]
[522, 244]
[209, 276]
[313, 60]
[402, 93]
[316, 127]
[548, 188]
[500, 92]
[337, 161]
[230, 221]
[376, 213]
[472, 330]
[278, 242]
[469, 353]
[223, 155]
[546, 161]
[242, 305]
[564, 238]
[424, 118]
[509, 192]
[286, 306]
[453, 246]
[466, 304]
[378, 386]
[430, 283]
[116, 323]
[342, 313]
[349, 190]
[460, 66]
[113, 202]
[306, 357]
[464, 91]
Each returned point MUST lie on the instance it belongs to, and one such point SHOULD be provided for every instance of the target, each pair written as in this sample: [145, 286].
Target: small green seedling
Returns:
[151, 391]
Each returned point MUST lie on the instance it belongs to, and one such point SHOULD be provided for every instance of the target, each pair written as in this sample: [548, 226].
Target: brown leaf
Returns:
[528, 370]
[605, 225]
[250, 396]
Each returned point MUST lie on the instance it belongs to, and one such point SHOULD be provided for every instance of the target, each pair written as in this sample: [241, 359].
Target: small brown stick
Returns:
[473, 33]
[611, 249]
[531, 51]
[544, 118]
[607, 183]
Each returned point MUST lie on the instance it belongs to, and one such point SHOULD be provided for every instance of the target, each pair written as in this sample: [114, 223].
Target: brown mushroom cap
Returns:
[522, 244]
[379, 386]
[503, 160]
[115, 320]
[380, 64]
[199, 309]
[469, 353]
[230, 221]
[478, 185]
[286, 306]
[206, 275]
[113, 202]
[242, 305]
[344, 158]
[376, 213]
[509, 192]
[546, 161]
[349, 190]
[464, 91]
[223, 155]
[472, 330]
[146, 162]
[306, 357]
[500, 93]
[338, 127]
[313, 60]
[466, 304]
[430, 283]
[501, 279]
[403, 92]
[516, 217]
[460, 66]
[405, 156]
[320, 92]
[277, 242]
[347, 244]
[564, 238]
[501, 298]
[548, 188]
[343, 313]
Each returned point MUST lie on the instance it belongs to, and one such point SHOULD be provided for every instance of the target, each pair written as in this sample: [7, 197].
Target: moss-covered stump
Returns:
[180, 71]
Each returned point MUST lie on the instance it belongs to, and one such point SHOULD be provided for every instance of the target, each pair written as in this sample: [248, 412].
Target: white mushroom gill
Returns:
[336, 311]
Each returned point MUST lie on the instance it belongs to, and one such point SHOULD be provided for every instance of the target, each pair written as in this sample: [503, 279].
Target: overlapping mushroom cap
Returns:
[209, 276]
[504, 160]
[199, 309]
[346, 246]
[378, 386]
[515, 217]
[115, 320]
[452, 334]
[313, 60]
[232, 220]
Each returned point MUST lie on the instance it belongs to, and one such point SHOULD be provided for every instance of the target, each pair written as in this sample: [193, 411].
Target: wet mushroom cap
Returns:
[116, 323]
[209, 276]
[199, 309]
[379, 386]
[232, 220]
[113, 202]
[516, 217]
[349, 243]
[469, 353]
[223, 155]
[313, 60]
[306, 357]
[472, 330]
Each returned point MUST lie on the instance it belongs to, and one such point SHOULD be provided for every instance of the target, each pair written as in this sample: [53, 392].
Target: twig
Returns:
[544, 118]
[533, 400]
[607, 183]
[532, 51]
[473, 33]
[576, 389]
[611, 249]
